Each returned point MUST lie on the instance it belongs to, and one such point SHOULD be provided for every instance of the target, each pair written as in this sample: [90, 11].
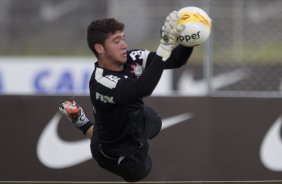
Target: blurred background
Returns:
[241, 58]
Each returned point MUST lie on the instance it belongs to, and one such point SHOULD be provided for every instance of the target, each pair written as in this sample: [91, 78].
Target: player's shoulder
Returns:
[138, 54]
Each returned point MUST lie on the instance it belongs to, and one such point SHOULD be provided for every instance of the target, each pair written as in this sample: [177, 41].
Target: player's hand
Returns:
[169, 32]
[73, 112]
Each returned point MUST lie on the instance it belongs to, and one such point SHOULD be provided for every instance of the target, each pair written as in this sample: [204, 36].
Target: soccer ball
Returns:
[197, 26]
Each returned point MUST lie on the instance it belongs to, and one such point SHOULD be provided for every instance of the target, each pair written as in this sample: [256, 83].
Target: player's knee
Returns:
[136, 171]
[154, 122]
[137, 175]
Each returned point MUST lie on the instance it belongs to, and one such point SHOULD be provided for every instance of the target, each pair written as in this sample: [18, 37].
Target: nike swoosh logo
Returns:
[271, 147]
[171, 121]
[187, 85]
[55, 153]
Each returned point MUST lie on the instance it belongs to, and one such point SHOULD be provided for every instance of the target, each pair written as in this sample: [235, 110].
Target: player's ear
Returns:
[99, 48]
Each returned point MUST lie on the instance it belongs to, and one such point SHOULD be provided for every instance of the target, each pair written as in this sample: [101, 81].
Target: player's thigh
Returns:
[153, 122]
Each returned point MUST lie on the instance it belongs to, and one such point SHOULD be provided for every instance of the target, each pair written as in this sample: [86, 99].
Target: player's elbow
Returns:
[146, 92]
[181, 63]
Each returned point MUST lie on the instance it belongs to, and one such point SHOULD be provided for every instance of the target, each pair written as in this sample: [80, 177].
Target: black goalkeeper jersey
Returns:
[117, 96]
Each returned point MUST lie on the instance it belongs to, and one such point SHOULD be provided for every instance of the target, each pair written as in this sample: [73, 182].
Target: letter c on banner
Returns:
[37, 81]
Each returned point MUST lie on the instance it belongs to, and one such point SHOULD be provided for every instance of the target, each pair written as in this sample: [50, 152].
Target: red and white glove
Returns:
[73, 112]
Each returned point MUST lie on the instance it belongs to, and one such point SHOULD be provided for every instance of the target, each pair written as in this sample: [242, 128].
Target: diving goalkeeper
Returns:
[121, 79]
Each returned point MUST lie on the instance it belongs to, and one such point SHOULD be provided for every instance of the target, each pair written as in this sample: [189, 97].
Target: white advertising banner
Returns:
[55, 76]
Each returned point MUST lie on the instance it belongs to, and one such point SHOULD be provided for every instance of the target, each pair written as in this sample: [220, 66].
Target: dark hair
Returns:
[99, 30]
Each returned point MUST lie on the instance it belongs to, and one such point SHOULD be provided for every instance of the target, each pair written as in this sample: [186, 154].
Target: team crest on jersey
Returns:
[137, 69]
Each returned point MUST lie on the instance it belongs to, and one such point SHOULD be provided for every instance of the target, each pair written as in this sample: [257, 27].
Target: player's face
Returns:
[115, 47]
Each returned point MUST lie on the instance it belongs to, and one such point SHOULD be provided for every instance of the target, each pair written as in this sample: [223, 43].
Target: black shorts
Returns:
[134, 166]
[131, 168]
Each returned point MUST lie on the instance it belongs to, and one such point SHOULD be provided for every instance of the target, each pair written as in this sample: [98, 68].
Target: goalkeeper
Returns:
[121, 79]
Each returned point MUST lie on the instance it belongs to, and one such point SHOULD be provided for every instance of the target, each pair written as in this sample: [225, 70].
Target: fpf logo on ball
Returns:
[194, 17]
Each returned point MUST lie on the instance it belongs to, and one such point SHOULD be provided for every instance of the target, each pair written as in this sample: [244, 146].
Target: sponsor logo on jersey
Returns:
[104, 98]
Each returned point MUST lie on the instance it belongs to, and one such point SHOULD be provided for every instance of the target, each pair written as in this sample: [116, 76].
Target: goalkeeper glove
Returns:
[73, 112]
[170, 31]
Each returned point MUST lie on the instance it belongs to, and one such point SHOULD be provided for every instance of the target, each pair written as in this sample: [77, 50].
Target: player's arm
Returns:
[89, 132]
[179, 57]
[144, 86]
[127, 89]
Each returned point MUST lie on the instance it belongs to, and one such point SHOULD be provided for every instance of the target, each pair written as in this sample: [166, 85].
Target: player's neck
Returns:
[110, 65]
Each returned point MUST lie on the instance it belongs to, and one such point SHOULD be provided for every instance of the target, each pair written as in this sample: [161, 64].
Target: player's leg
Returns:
[153, 122]
[133, 166]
